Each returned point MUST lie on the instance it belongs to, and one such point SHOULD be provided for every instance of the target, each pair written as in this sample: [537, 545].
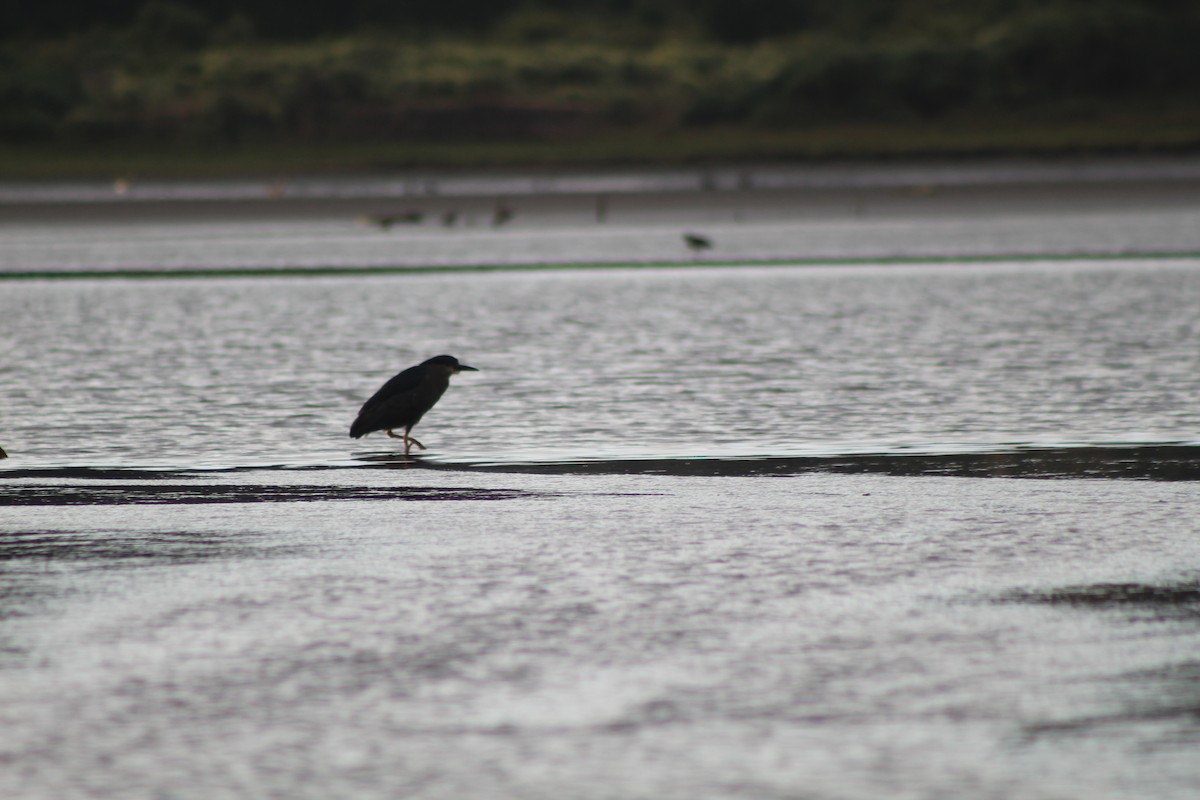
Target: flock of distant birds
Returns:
[502, 214]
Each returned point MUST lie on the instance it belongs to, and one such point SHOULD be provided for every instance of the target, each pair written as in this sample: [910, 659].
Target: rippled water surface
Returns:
[920, 529]
[743, 361]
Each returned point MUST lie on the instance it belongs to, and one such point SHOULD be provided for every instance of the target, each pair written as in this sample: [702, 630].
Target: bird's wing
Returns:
[391, 406]
[406, 381]
[397, 411]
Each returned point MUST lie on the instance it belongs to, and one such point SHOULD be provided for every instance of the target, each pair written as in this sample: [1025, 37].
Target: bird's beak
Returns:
[465, 368]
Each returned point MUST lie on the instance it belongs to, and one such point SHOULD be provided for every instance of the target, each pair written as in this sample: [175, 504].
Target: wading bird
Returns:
[404, 399]
[502, 214]
[696, 243]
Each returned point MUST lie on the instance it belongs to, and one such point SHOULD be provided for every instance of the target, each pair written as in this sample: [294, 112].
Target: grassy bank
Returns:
[1129, 131]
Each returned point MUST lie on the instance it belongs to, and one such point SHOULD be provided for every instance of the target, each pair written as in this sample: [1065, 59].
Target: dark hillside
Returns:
[225, 74]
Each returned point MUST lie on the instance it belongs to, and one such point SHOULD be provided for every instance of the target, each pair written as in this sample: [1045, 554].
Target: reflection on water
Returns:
[1154, 462]
[814, 214]
[105, 552]
[688, 534]
[106, 485]
[601, 636]
[137, 494]
[340, 246]
[1172, 600]
[744, 361]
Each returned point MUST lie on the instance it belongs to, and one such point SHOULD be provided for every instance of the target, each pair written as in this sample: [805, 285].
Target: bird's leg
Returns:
[410, 440]
[392, 434]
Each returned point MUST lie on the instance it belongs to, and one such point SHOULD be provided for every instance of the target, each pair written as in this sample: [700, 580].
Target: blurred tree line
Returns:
[230, 70]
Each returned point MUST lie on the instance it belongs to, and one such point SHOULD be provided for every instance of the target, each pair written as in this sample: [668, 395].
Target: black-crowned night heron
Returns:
[403, 400]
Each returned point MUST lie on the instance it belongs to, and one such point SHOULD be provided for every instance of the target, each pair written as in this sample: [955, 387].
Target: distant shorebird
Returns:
[404, 399]
[501, 215]
[695, 242]
[386, 221]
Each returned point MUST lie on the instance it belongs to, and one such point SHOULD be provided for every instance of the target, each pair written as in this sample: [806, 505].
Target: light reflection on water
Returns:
[352, 625]
[643, 236]
[619, 636]
[750, 360]
[753, 214]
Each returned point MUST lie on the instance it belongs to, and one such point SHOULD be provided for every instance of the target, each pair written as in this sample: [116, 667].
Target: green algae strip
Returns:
[151, 273]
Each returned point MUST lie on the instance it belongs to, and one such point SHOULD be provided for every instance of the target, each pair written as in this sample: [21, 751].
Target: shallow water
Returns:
[834, 213]
[618, 636]
[905, 530]
[729, 361]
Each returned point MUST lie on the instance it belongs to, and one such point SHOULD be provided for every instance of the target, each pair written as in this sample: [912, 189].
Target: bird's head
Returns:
[450, 363]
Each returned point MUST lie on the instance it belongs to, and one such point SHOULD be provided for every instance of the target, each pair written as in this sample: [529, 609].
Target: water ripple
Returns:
[81, 485]
[170, 493]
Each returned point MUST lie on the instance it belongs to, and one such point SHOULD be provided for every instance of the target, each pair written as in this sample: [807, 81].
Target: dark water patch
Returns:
[1163, 700]
[798, 260]
[21, 594]
[1186, 713]
[1158, 462]
[170, 493]
[36, 565]
[94, 548]
[1149, 462]
[1155, 602]
[99, 473]
[1167, 696]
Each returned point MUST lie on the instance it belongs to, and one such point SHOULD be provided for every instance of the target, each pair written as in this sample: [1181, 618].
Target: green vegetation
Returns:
[170, 86]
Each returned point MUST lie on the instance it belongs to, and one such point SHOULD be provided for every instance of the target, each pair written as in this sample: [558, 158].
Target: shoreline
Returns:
[1112, 133]
[799, 262]
[760, 215]
[762, 192]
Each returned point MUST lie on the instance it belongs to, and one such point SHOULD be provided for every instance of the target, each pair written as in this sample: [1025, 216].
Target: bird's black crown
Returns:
[451, 362]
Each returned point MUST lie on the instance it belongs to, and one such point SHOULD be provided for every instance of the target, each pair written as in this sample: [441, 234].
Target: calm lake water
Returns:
[919, 526]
